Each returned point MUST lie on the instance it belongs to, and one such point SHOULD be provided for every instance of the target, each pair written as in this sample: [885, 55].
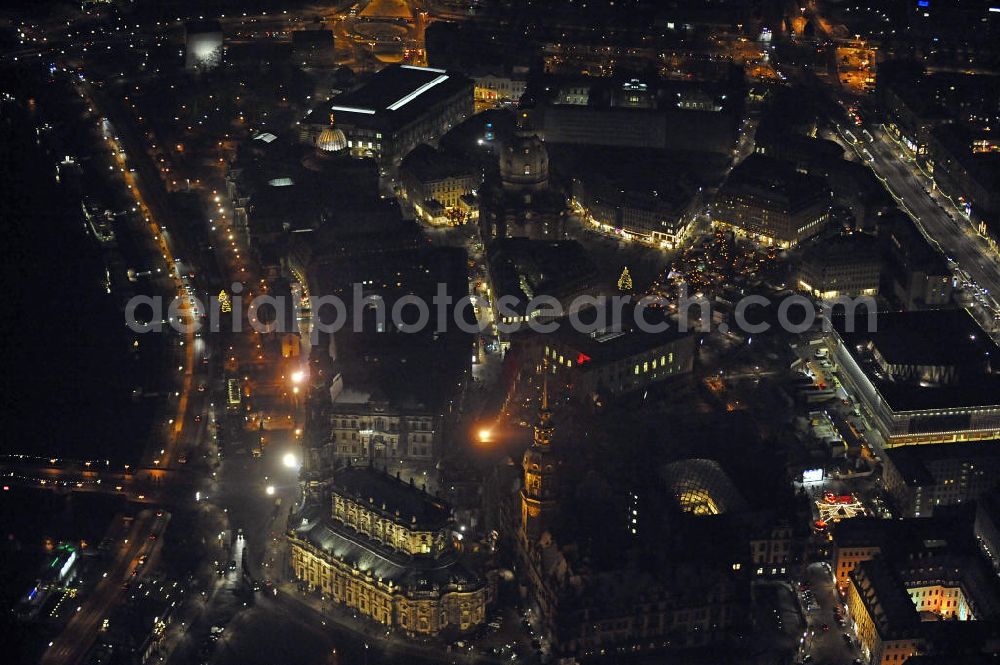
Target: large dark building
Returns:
[924, 377]
[637, 114]
[922, 478]
[394, 111]
[768, 201]
[917, 275]
[520, 269]
[847, 265]
[617, 359]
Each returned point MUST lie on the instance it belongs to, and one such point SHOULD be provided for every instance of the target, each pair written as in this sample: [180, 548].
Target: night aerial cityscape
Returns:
[653, 332]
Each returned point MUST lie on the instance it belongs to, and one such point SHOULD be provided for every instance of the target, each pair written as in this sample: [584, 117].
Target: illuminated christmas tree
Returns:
[625, 281]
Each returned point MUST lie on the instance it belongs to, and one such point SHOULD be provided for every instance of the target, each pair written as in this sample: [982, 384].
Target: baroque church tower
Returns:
[539, 492]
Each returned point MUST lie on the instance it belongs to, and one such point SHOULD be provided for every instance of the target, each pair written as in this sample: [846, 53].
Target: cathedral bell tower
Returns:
[538, 494]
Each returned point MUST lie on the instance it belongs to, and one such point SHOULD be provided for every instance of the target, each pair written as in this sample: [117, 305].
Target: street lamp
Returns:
[270, 490]
[290, 461]
[485, 435]
[298, 376]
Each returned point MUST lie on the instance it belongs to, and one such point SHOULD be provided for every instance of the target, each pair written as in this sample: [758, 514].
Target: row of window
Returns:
[664, 361]
[354, 449]
[380, 424]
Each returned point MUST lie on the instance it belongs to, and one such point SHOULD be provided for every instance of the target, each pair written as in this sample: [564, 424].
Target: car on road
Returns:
[232, 564]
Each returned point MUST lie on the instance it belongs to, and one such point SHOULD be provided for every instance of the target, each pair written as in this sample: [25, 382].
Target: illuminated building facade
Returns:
[658, 216]
[771, 203]
[523, 268]
[396, 110]
[364, 428]
[916, 585]
[619, 359]
[885, 619]
[848, 265]
[434, 184]
[493, 88]
[383, 547]
[923, 376]
[906, 606]
[921, 478]
[774, 549]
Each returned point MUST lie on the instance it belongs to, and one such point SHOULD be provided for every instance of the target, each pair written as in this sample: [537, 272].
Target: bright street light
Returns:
[298, 376]
[270, 490]
[290, 461]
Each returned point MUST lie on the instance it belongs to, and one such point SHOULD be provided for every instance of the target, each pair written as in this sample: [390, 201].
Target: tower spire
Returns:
[538, 494]
[544, 429]
[545, 385]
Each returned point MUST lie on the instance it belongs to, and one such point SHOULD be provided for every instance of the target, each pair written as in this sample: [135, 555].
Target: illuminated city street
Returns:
[498, 331]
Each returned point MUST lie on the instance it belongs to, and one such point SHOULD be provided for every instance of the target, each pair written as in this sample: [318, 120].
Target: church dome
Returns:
[331, 139]
[524, 163]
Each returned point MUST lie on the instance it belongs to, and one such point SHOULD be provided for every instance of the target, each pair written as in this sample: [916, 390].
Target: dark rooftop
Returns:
[776, 180]
[934, 338]
[912, 461]
[843, 249]
[427, 164]
[950, 531]
[904, 240]
[885, 596]
[615, 343]
[378, 488]
[527, 268]
[393, 97]
[310, 39]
